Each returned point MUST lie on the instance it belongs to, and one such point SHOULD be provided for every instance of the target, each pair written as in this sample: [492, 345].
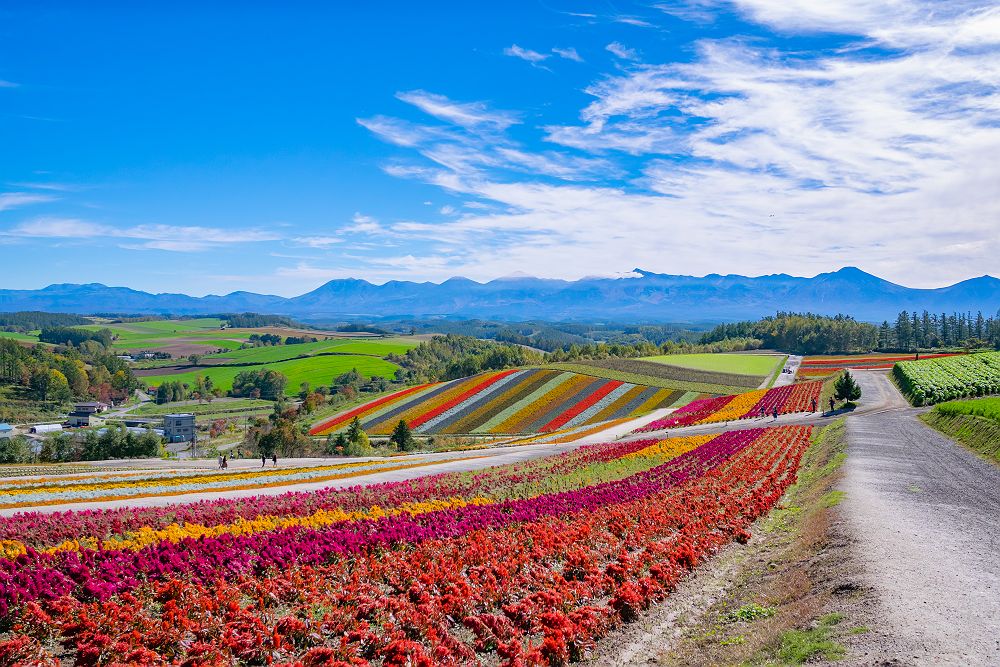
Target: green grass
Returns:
[316, 371]
[974, 423]
[800, 646]
[217, 406]
[379, 348]
[742, 364]
[28, 338]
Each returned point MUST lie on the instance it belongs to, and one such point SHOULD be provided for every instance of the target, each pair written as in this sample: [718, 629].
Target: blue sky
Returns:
[203, 149]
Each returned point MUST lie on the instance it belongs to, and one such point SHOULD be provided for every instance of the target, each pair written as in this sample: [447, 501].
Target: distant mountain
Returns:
[646, 298]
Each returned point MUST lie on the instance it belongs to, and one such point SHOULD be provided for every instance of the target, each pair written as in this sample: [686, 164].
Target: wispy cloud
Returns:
[569, 53]
[8, 84]
[9, 200]
[469, 114]
[619, 50]
[533, 57]
[631, 20]
[880, 154]
[139, 237]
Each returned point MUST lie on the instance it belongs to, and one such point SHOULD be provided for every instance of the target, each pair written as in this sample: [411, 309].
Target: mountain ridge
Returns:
[644, 296]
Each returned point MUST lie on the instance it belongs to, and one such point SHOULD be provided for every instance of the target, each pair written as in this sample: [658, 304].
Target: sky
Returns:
[201, 148]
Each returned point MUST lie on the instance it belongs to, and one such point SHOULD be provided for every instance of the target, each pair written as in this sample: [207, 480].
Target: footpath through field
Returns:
[926, 516]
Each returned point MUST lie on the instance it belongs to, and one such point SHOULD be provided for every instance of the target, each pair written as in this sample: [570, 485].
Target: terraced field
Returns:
[651, 373]
[535, 400]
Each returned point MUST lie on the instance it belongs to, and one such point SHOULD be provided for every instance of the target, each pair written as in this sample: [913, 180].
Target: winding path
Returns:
[926, 516]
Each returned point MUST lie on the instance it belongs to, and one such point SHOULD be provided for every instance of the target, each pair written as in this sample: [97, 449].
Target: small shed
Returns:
[6, 431]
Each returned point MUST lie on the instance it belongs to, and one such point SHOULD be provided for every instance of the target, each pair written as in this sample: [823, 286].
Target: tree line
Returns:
[802, 333]
[61, 374]
[912, 331]
[31, 320]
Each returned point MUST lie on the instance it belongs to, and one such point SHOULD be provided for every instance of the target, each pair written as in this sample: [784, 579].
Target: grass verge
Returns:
[980, 434]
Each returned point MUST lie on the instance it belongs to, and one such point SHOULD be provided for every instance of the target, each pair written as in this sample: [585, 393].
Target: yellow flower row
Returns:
[737, 407]
[671, 447]
[145, 536]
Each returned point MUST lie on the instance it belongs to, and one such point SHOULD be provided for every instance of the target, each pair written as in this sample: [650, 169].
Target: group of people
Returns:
[224, 461]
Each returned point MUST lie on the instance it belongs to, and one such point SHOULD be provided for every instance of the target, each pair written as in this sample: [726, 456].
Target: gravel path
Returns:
[926, 514]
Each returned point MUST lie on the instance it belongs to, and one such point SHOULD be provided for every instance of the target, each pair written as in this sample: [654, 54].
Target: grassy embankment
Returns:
[975, 423]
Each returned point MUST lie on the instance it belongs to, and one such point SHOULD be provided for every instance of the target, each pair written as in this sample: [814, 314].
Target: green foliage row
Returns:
[929, 381]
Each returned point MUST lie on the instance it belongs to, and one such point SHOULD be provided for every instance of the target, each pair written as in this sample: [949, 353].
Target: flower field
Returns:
[65, 489]
[524, 564]
[786, 400]
[934, 380]
[822, 367]
[512, 401]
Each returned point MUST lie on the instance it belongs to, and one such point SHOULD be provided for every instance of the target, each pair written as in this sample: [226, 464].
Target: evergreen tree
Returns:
[357, 440]
[846, 389]
[402, 437]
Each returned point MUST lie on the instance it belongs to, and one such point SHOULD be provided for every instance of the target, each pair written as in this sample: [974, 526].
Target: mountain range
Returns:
[644, 297]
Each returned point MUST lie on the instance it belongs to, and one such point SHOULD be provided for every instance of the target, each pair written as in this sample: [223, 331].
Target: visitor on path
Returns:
[220, 462]
[763, 411]
[831, 404]
[263, 460]
[274, 457]
[225, 462]
[775, 413]
[814, 405]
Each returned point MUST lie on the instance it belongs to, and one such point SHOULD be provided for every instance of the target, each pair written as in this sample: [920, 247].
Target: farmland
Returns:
[316, 370]
[758, 365]
[526, 563]
[507, 402]
[931, 381]
[818, 367]
[973, 422]
[783, 400]
[654, 374]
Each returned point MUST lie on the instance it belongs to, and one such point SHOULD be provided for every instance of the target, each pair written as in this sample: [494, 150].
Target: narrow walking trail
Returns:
[926, 516]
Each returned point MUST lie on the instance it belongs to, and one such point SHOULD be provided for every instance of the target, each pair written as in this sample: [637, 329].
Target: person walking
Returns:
[814, 405]
[775, 413]
[220, 462]
[831, 404]
[225, 462]
[274, 458]
[263, 460]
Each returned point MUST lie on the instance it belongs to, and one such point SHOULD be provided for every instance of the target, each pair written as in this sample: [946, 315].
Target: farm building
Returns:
[178, 427]
[46, 428]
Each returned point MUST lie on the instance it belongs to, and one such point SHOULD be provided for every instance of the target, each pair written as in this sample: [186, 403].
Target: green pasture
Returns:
[316, 370]
[742, 364]
[270, 354]
[218, 406]
[27, 338]
[978, 407]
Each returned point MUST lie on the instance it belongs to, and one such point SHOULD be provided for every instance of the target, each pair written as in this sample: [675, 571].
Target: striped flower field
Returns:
[784, 400]
[506, 402]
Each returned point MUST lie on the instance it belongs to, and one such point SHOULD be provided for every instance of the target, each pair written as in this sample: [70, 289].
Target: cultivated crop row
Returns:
[787, 399]
[512, 401]
[934, 380]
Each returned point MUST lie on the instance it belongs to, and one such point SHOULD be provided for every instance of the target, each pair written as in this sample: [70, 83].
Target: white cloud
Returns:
[879, 154]
[631, 20]
[319, 242]
[533, 57]
[9, 200]
[151, 237]
[619, 50]
[468, 115]
[569, 53]
[8, 84]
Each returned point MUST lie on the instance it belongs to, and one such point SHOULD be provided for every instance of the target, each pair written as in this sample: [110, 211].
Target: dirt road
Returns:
[926, 515]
